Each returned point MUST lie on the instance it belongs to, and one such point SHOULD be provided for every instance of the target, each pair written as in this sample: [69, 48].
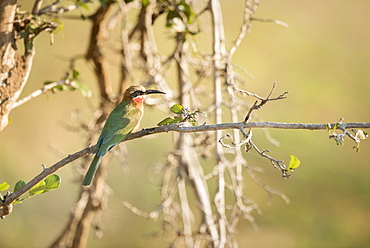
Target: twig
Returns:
[282, 96]
[281, 23]
[276, 163]
[257, 105]
[58, 10]
[38, 92]
[152, 215]
[243, 30]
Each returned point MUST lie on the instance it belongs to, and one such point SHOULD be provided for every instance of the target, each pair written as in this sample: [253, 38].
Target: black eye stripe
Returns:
[137, 93]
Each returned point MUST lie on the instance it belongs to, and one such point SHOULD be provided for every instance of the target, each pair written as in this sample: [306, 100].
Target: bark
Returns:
[14, 67]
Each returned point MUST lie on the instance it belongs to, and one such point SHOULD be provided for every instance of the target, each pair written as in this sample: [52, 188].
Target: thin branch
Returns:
[46, 172]
[278, 22]
[276, 163]
[243, 30]
[239, 125]
[58, 10]
[38, 92]
[36, 7]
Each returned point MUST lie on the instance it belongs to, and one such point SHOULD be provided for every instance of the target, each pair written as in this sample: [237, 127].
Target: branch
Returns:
[165, 129]
[46, 172]
[57, 10]
[38, 92]
[242, 125]
[278, 22]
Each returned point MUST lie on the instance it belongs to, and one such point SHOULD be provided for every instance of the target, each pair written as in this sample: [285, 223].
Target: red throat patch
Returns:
[138, 99]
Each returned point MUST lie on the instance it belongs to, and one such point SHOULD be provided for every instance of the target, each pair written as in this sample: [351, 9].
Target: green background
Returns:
[322, 59]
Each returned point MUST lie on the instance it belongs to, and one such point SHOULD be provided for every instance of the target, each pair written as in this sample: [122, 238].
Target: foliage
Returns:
[52, 182]
[188, 116]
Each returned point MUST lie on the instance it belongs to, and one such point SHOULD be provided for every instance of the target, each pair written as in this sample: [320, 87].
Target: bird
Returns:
[120, 123]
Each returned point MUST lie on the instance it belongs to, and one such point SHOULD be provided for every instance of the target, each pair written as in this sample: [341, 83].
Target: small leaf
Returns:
[83, 5]
[52, 182]
[176, 108]
[192, 122]
[336, 125]
[19, 185]
[84, 17]
[169, 121]
[200, 112]
[186, 9]
[293, 163]
[145, 3]
[37, 189]
[4, 186]
[48, 82]
[75, 74]
[58, 87]
[86, 92]
[59, 27]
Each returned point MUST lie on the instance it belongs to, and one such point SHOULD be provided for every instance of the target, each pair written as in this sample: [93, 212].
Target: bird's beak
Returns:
[148, 92]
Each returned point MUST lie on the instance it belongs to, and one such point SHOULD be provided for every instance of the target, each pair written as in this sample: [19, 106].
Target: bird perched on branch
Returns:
[119, 125]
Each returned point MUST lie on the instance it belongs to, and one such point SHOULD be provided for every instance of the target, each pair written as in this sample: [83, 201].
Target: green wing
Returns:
[118, 127]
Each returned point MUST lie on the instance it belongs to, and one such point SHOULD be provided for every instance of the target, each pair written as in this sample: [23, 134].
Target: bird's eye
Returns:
[136, 93]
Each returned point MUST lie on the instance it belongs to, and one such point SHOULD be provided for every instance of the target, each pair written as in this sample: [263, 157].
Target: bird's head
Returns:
[137, 93]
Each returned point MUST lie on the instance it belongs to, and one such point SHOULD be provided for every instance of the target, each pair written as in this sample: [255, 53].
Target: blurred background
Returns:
[322, 59]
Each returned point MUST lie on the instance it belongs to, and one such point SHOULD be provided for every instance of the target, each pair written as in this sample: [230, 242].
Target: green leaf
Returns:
[58, 87]
[19, 185]
[83, 5]
[145, 3]
[171, 15]
[75, 74]
[4, 186]
[86, 92]
[60, 26]
[293, 163]
[192, 122]
[37, 189]
[48, 82]
[186, 9]
[84, 17]
[336, 125]
[176, 108]
[169, 121]
[52, 182]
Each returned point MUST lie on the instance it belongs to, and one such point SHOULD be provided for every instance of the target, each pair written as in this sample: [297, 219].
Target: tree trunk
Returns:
[14, 67]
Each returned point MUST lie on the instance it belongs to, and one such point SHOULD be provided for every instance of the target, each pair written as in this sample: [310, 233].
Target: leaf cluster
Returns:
[29, 26]
[188, 116]
[71, 81]
[50, 183]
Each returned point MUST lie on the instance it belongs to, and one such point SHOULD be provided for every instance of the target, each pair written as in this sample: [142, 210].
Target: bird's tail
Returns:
[92, 169]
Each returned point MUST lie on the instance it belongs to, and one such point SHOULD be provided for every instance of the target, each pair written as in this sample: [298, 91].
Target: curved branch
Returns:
[6, 204]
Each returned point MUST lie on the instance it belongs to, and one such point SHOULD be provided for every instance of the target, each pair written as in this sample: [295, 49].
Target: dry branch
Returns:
[172, 128]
